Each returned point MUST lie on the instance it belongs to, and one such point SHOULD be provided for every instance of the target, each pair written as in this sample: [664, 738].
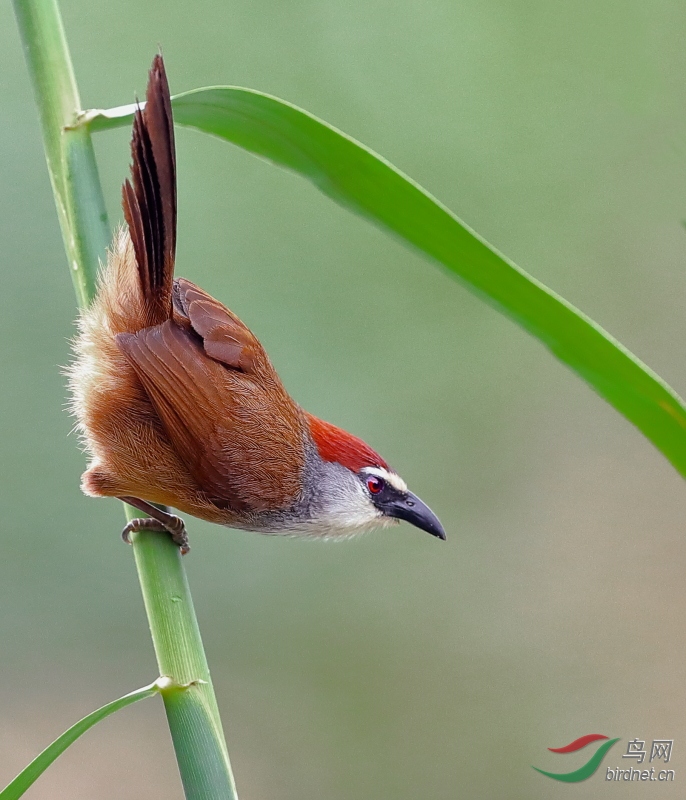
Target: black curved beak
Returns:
[410, 508]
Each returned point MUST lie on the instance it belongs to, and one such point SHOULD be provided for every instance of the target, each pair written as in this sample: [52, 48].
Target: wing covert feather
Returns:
[225, 337]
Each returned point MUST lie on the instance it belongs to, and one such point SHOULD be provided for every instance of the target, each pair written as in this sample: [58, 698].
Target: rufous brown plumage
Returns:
[178, 403]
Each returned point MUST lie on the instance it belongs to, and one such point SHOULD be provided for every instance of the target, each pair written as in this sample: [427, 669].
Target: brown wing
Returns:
[221, 404]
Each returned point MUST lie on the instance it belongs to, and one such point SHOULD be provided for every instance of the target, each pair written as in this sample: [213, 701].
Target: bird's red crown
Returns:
[335, 444]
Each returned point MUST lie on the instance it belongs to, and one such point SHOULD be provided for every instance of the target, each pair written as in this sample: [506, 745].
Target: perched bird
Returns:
[179, 405]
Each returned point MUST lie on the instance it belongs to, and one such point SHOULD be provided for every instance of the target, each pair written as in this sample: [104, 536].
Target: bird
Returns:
[178, 404]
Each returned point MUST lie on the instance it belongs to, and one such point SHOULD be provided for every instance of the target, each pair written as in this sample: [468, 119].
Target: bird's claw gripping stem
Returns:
[157, 521]
[178, 535]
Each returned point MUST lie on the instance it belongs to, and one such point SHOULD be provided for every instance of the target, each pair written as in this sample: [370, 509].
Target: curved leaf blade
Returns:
[37, 767]
[356, 177]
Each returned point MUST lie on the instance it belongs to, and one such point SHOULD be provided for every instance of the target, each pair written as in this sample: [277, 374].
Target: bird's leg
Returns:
[158, 520]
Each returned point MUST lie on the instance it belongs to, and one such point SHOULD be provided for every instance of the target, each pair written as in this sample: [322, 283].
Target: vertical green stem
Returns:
[69, 153]
[192, 712]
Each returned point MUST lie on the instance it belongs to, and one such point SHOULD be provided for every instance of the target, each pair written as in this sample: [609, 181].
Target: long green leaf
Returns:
[39, 764]
[363, 181]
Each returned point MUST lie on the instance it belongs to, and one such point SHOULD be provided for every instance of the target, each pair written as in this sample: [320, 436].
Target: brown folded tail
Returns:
[149, 199]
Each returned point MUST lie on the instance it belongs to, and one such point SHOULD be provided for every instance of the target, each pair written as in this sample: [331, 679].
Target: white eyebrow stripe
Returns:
[390, 477]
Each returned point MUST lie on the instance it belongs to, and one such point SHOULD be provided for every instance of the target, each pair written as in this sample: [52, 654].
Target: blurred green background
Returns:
[393, 666]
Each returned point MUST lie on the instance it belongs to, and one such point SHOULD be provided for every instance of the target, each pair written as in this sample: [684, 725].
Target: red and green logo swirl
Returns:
[589, 767]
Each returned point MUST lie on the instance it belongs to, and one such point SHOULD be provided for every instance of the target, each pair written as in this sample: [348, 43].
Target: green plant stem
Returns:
[69, 153]
[192, 712]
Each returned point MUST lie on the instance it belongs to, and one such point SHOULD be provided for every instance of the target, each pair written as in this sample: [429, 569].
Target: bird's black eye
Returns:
[374, 484]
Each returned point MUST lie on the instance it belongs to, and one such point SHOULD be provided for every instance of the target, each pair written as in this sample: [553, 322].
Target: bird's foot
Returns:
[158, 520]
[176, 529]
